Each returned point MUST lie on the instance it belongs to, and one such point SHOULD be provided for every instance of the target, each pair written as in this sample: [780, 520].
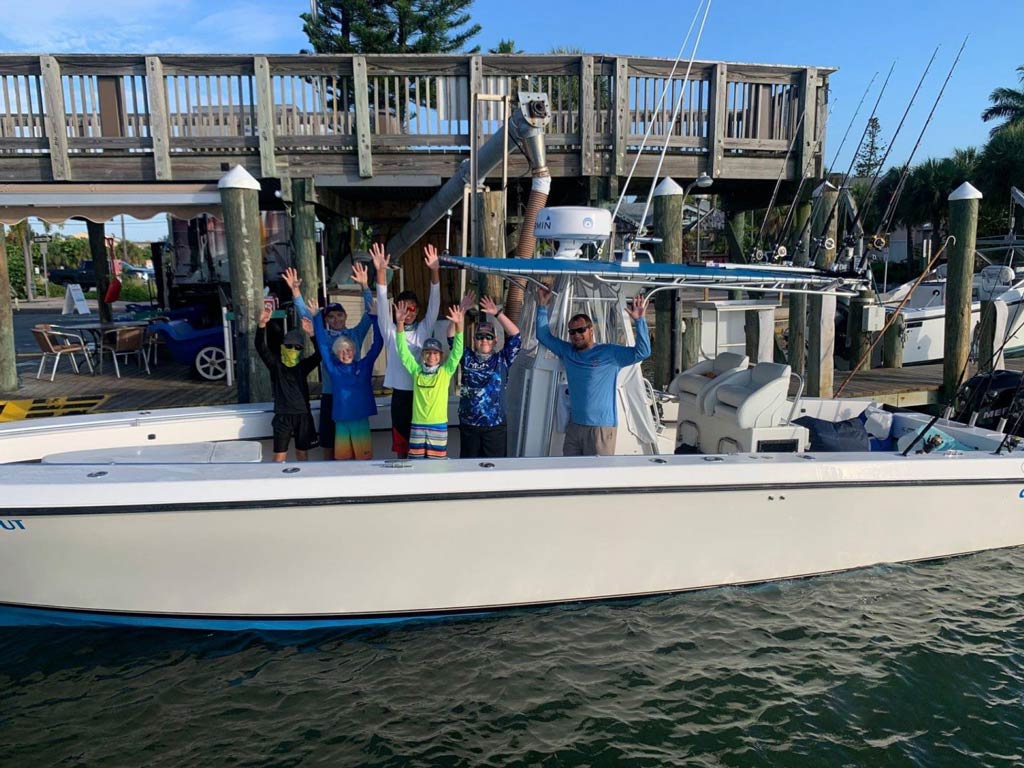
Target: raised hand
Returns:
[455, 315]
[468, 300]
[359, 274]
[401, 309]
[430, 258]
[543, 296]
[292, 280]
[380, 262]
[638, 308]
[488, 306]
[307, 326]
[265, 316]
[312, 304]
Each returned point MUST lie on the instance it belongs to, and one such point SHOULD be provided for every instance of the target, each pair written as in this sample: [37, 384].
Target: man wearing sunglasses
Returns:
[482, 426]
[592, 372]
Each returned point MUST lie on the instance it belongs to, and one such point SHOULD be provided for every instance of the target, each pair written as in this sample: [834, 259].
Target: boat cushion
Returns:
[834, 436]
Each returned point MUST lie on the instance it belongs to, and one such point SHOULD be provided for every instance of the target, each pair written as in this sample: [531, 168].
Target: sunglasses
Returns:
[579, 331]
[292, 346]
[484, 337]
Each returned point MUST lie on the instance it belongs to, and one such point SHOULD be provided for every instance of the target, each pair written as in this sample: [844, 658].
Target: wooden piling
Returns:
[893, 343]
[798, 301]
[8, 358]
[821, 333]
[26, 252]
[668, 225]
[735, 235]
[493, 220]
[963, 225]
[691, 339]
[991, 333]
[858, 340]
[304, 248]
[239, 193]
[100, 266]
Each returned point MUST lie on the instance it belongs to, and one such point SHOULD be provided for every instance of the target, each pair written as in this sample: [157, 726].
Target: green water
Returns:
[894, 666]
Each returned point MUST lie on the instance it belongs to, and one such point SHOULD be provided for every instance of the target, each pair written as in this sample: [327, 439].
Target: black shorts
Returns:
[483, 442]
[297, 426]
[401, 411]
[326, 422]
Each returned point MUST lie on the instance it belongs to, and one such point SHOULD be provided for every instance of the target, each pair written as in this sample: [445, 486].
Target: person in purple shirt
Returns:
[592, 371]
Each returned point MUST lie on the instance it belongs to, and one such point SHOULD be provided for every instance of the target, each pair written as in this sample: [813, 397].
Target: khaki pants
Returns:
[581, 440]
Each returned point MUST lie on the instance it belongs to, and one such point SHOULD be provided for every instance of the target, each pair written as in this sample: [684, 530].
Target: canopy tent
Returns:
[56, 203]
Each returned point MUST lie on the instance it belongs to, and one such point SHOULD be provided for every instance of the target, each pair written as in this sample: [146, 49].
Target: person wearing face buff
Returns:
[396, 378]
[482, 426]
[352, 384]
[335, 319]
[288, 372]
[428, 434]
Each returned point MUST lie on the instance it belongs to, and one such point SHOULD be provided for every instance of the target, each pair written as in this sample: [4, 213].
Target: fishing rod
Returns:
[807, 224]
[803, 175]
[780, 249]
[876, 242]
[778, 183]
[661, 99]
[890, 210]
[885, 156]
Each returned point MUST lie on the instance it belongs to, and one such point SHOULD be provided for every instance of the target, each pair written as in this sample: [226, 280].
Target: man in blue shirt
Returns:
[592, 371]
[336, 326]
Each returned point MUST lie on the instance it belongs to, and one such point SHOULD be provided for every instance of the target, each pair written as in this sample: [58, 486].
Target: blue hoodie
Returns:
[351, 383]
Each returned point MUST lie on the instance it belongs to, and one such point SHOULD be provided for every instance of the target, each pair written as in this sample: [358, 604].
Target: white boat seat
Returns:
[755, 397]
[693, 385]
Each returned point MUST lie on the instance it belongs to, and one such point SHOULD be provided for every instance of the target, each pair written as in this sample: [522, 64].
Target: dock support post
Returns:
[994, 314]
[8, 358]
[963, 225]
[304, 246]
[100, 266]
[892, 344]
[239, 194]
[668, 224]
[759, 333]
[857, 339]
[493, 241]
[798, 301]
[691, 339]
[821, 334]
[735, 234]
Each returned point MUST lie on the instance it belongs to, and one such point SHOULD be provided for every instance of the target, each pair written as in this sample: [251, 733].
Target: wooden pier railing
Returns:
[178, 117]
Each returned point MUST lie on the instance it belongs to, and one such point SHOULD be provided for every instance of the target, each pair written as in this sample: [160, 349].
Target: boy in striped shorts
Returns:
[430, 382]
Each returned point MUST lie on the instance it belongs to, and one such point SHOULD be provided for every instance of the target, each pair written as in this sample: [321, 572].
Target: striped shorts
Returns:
[428, 441]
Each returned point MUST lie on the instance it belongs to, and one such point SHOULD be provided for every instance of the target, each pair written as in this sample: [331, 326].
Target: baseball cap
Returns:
[335, 307]
[433, 344]
[483, 328]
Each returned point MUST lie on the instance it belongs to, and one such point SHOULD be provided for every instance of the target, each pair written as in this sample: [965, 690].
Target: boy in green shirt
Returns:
[430, 379]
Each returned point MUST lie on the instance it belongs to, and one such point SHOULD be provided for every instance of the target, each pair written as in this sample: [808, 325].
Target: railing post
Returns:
[54, 119]
[622, 117]
[362, 101]
[112, 106]
[265, 116]
[587, 114]
[718, 103]
[159, 122]
[808, 107]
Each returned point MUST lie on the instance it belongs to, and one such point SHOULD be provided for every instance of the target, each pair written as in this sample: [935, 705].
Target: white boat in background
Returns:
[172, 518]
[925, 312]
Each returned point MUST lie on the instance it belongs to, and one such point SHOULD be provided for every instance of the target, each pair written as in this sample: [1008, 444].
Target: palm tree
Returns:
[505, 46]
[1008, 104]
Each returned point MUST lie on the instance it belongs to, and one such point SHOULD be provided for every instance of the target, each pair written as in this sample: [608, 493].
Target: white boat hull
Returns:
[252, 546]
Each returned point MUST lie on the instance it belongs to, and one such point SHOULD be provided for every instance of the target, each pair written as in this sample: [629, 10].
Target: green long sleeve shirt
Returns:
[430, 390]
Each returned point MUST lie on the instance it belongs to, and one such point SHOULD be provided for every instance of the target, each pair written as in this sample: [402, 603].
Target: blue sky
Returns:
[858, 38]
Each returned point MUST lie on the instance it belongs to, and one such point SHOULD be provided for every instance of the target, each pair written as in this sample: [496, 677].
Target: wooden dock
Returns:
[909, 387]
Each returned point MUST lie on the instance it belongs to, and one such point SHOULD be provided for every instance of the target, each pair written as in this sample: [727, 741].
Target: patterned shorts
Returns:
[428, 441]
[352, 440]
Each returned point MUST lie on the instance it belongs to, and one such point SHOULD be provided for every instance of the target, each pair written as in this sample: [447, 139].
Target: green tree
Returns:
[1007, 105]
[390, 26]
[1001, 166]
[869, 156]
[505, 46]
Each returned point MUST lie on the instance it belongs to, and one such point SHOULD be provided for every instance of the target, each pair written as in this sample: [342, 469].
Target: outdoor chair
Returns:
[124, 342]
[55, 342]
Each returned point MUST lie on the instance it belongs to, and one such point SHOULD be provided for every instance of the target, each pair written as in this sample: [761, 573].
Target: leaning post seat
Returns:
[695, 385]
[750, 411]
